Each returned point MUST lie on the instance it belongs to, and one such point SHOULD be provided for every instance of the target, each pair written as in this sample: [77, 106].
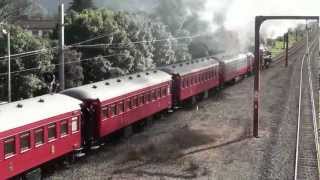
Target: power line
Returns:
[78, 45]
[22, 56]
[45, 50]
[136, 42]
[89, 40]
[54, 65]
[25, 53]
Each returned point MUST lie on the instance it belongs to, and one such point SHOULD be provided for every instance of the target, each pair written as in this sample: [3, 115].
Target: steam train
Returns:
[41, 129]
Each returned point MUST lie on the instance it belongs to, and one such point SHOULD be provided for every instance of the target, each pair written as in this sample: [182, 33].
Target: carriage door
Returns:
[89, 124]
[248, 64]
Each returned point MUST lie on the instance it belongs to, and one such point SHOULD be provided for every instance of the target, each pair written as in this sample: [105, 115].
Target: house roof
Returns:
[37, 24]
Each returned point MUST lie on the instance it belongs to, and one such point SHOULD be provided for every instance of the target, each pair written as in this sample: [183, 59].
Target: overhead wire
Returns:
[78, 45]
[44, 50]
[137, 42]
[95, 38]
[54, 65]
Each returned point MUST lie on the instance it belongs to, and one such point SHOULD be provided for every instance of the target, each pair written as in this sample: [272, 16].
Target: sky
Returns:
[240, 13]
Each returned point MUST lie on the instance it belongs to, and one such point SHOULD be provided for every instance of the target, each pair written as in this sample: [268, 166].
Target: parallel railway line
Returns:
[307, 147]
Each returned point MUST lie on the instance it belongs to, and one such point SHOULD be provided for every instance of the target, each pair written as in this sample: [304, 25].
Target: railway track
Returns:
[307, 147]
[293, 50]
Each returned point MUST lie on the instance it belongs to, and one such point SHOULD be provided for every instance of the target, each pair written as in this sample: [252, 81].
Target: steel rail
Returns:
[314, 117]
[299, 118]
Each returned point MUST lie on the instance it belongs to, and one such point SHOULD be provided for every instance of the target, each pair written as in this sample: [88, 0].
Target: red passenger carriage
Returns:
[117, 103]
[235, 67]
[37, 130]
[192, 78]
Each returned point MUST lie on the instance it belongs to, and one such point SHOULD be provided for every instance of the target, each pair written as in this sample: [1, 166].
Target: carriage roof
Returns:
[230, 59]
[21, 113]
[191, 67]
[116, 87]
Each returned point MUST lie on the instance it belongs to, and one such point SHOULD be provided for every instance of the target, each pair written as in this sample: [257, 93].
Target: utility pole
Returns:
[287, 47]
[318, 28]
[284, 41]
[9, 68]
[307, 28]
[61, 47]
[7, 34]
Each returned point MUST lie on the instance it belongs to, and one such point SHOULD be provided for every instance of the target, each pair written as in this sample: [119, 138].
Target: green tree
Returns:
[121, 54]
[11, 10]
[27, 83]
[89, 24]
[80, 5]
[74, 71]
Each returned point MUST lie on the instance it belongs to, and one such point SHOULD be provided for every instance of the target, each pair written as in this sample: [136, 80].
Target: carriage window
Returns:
[149, 96]
[113, 110]
[64, 128]
[136, 101]
[9, 147]
[105, 112]
[153, 95]
[75, 124]
[145, 98]
[52, 133]
[158, 93]
[164, 91]
[129, 104]
[121, 107]
[25, 141]
[39, 136]
[141, 99]
[132, 102]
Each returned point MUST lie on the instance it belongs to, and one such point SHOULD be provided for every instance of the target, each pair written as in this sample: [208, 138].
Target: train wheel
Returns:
[35, 174]
[138, 127]
[206, 95]
[189, 103]
[128, 131]
[149, 121]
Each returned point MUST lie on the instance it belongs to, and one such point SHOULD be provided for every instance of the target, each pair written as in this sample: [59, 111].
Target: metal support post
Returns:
[258, 22]
[287, 48]
[61, 48]
[9, 67]
[257, 67]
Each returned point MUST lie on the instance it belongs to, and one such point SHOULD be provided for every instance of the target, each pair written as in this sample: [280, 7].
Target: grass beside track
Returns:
[278, 45]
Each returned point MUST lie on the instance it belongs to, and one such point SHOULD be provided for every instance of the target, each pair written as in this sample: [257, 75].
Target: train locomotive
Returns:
[38, 130]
